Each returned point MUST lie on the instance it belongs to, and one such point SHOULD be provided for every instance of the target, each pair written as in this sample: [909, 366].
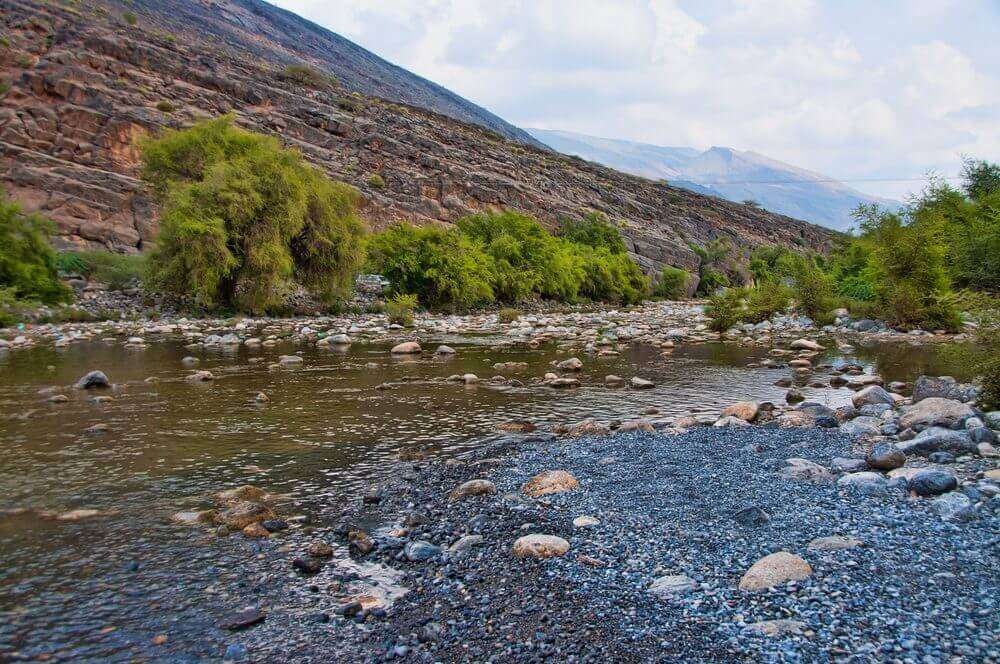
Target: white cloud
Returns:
[817, 84]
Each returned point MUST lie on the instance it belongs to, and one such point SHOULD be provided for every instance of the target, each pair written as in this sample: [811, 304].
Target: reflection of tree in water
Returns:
[902, 361]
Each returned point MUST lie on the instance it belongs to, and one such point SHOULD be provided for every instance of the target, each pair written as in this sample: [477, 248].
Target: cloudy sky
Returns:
[855, 89]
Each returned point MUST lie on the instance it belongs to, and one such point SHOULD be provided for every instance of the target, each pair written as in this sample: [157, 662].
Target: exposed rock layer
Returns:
[85, 85]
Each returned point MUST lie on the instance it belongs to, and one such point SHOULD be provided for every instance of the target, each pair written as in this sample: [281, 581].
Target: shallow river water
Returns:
[326, 431]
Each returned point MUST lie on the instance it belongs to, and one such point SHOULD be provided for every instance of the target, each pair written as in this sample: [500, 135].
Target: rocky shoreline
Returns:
[658, 323]
[718, 544]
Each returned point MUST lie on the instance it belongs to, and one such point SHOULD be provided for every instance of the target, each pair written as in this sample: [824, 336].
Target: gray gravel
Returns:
[920, 589]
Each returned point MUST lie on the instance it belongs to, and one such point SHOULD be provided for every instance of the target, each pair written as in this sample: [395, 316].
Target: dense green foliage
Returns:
[672, 284]
[507, 257]
[442, 267]
[244, 219]
[765, 300]
[28, 269]
[118, 271]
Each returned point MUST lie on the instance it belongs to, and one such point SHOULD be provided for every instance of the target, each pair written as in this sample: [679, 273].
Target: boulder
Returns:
[885, 457]
[94, 379]
[779, 627]
[954, 506]
[444, 350]
[935, 412]
[562, 383]
[612, 380]
[942, 387]
[420, 551]
[847, 464]
[406, 348]
[473, 488]
[550, 481]
[636, 425]
[638, 383]
[806, 344]
[866, 482]
[932, 482]
[773, 570]
[539, 546]
[572, 364]
[794, 396]
[862, 427]
[745, 410]
[872, 395]
[319, 549]
[585, 522]
[938, 439]
[730, 421]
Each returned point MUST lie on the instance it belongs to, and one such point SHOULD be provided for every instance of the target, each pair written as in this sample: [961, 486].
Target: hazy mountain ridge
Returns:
[731, 174]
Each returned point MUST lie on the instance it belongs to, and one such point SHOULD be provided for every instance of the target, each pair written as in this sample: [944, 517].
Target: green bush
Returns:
[28, 269]
[711, 257]
[765, 300]
[117, 271]
[725, 309]
[165, 106]
[375, 181]
[400, 309]
[243, 219]
[443, 268]
[610, 277]
[130, 18]
[813, 291]
[672, 284]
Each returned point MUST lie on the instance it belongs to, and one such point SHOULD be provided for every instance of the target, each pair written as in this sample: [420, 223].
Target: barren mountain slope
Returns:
[85, 84]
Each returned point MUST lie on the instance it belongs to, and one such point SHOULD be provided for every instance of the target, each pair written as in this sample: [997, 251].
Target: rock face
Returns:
[775, 569]
[85, 86]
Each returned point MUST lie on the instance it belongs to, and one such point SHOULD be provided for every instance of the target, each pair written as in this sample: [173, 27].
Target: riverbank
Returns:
[657, 323]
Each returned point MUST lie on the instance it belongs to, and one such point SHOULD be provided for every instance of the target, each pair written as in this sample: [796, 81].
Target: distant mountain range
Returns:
[726, 173]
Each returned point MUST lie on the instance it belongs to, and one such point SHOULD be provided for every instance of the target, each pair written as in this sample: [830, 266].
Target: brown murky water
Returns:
[326, 431]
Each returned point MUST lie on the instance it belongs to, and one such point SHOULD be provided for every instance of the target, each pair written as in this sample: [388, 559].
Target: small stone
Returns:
[794, 396]
[255, 530]
[779, 627]
[751, 517]
[444, 350]
[585, 522]
[307, 565]
[834, 543]
[953, 506]
[473, 488]
[420, 551]
[638, 383]
[867, 482]
[803, 469]
[242, 619]
[673, 585]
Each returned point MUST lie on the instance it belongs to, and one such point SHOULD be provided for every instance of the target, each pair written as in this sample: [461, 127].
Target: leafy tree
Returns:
[981, 178]
[243, 219]
[710, 259]
[725, 309]
[28, 269]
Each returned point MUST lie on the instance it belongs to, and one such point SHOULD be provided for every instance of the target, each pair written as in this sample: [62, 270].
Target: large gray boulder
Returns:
[938, 439]
[935, 412]
[943, 387]
[862, 427]
[872, 395]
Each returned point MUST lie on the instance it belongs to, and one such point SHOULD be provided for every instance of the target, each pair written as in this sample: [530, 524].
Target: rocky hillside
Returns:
[83, 81]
